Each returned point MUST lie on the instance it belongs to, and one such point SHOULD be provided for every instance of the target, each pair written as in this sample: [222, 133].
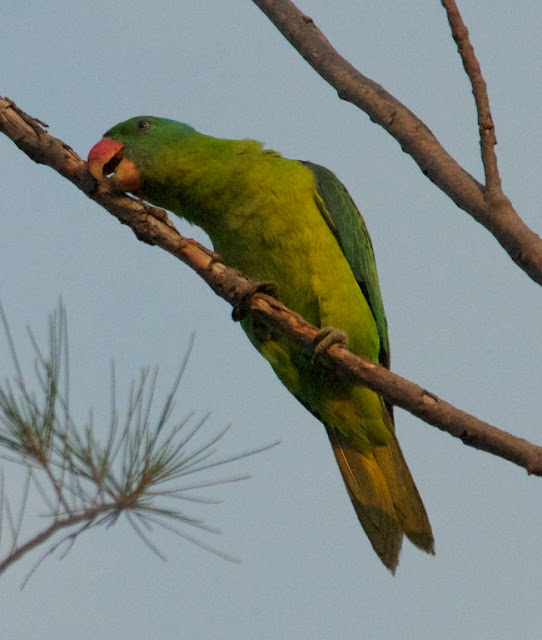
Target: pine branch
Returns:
[152, 226]
[140, 473]
[486, 204]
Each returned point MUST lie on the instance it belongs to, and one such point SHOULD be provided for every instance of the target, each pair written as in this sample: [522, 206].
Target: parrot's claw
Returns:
[242, 308]
[326, 337]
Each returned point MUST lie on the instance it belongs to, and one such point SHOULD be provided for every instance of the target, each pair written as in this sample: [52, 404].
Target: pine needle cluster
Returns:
[142, 471]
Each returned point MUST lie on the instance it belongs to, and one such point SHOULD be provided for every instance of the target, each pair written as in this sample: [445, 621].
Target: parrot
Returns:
[293, 224]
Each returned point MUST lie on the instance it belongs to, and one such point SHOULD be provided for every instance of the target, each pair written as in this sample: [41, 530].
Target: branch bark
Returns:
[152, 225]
[488, 138]
[496, 212]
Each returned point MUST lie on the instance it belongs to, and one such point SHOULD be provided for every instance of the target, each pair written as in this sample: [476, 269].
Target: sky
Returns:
[464, 321]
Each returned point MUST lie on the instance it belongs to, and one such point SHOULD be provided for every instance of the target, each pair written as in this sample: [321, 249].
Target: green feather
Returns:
[348, 226]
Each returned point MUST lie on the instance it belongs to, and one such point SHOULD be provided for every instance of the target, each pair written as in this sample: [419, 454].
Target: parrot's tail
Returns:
[384, 496]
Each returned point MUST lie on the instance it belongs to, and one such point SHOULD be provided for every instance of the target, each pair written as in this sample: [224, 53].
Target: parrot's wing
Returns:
[348, 227]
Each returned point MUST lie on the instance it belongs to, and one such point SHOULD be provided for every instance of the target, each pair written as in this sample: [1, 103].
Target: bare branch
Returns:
[152, 226]
[488, 138]
[522, 244]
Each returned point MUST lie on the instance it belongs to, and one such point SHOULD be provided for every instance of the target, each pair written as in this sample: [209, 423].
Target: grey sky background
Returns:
[464, 321]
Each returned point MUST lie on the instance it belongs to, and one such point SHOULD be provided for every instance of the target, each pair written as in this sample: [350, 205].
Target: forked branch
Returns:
[486, 204]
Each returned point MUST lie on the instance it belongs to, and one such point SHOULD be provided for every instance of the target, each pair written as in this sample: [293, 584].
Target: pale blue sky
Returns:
[464, 321]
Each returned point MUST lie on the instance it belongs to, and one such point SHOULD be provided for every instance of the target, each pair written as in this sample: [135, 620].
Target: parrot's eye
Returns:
[143, 124]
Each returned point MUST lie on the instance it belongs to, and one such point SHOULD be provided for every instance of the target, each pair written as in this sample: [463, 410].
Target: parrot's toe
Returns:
[242, 308]
[326, 337]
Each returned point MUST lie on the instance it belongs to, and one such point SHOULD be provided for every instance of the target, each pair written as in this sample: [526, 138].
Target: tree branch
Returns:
[496, 213]
[488, 139]
[151, 225]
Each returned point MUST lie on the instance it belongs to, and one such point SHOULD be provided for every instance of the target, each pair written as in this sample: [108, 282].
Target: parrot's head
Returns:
[134, 149]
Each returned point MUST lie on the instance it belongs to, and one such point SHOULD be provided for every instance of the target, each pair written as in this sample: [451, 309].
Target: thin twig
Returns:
[488, 138]
[40, 538]
[69, 538]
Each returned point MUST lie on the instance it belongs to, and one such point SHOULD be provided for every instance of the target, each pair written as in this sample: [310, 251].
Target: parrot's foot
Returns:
[326, 337]
[242, 308]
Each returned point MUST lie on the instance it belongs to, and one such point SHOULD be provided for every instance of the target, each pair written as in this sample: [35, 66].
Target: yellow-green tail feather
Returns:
[384, 496]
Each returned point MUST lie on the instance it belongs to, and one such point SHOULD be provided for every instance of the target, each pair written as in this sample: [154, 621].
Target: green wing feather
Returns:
[348, 227]
[370, 478]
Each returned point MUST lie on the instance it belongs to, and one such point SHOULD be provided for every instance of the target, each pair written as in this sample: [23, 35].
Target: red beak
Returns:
[104, 158]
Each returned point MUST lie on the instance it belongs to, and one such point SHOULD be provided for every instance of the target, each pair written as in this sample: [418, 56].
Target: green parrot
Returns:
[294, 224]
